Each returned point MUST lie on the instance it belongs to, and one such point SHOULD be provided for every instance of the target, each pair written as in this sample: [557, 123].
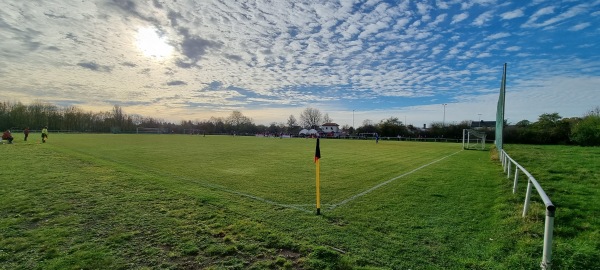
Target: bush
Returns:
[587, 131]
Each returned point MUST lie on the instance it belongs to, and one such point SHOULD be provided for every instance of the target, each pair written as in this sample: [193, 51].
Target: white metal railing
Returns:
[507, 161]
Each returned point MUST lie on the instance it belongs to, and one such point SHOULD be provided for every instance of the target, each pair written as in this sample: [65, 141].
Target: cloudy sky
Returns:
[353, 59]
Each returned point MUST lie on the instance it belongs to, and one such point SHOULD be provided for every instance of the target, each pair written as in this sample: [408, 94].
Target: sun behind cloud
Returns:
[152, 44]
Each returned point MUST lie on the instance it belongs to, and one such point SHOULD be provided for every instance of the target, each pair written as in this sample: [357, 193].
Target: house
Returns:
[483, 124]
[330, 127]
[325, 130]
[330, 130]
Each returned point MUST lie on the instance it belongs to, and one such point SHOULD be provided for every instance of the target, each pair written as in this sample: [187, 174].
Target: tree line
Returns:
[550, 128]
[16, 115]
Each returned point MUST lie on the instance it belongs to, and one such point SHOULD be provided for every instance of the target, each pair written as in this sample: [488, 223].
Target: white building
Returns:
[330, 130]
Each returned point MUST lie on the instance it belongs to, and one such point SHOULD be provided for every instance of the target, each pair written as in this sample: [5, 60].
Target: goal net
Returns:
[473, 139]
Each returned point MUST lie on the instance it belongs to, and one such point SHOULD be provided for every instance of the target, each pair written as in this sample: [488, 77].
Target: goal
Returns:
[146, 130]
[473, 139]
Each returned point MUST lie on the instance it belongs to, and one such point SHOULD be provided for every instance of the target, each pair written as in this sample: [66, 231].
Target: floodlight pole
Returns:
[479, 119]
[353, 130]
[444, 120]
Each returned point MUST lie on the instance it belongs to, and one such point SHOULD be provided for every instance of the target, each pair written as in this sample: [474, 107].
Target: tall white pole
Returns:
[464, 132]
[444, 121]
[353, 129]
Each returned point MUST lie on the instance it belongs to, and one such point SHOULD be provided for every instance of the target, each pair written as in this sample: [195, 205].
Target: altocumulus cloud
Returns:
[173, 83]
[94, 66]
[342, 55]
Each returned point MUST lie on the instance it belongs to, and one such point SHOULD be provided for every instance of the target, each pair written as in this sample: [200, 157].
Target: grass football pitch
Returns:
[84, 201]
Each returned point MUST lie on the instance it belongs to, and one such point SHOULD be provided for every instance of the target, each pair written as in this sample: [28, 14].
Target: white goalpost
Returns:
[473, 139]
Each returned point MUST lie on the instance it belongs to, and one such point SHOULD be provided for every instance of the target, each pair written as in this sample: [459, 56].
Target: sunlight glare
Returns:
[151, 44]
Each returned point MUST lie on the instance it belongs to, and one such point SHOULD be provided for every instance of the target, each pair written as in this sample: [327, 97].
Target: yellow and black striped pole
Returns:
[318, 185]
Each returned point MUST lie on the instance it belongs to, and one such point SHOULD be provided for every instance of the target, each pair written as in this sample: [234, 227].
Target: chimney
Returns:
[424, 126]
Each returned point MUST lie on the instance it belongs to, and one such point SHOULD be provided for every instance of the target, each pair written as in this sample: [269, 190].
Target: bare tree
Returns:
[239, 122]
[327, 119]
[291, 122]
[118, 116]
[310, 117]
[237, 118]
[137, 119]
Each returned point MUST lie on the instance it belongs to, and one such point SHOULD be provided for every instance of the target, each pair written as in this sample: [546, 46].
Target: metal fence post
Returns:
[548, 235]
[546, 263]
[527, 198]
[516, 179]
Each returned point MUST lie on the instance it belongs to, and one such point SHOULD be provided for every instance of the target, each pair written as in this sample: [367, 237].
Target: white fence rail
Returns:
[507, 162]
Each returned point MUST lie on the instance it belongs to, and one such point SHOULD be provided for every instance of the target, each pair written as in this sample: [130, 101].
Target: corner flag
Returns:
[317, 152]
[318, 185]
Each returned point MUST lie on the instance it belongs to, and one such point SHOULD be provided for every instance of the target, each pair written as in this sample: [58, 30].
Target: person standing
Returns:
[26, 132]
[376, 137]
[7, 136]
[44, 134]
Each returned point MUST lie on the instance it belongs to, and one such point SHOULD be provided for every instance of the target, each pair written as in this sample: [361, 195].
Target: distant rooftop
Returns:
[482, 123]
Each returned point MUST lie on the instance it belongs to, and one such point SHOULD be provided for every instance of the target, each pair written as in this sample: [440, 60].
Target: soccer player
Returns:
[7, 136]
[44, 134]
[26, 132]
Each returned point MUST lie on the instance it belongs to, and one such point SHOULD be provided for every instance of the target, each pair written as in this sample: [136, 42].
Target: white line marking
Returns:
[387, 182]
[224, 189]
[199, 182]
[298, 207]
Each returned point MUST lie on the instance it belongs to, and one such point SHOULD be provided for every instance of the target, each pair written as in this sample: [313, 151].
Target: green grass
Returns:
[218, 202]
[571, 178]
